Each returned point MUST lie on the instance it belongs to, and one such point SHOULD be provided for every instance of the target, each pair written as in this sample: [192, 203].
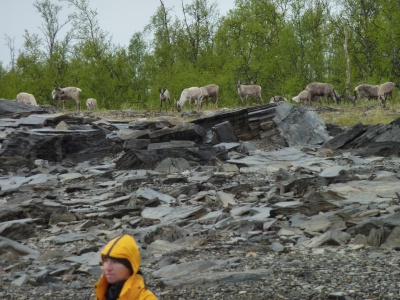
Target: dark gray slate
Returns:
[171, 144]
[21, 149]
[148, 159]
[299, 125]
[342, 139]
[185, 131]
[369, 140]
[379, 148]
[9, 108]
[223, 132]
[136, 144]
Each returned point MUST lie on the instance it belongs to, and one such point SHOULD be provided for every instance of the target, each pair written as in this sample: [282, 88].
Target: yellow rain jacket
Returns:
[134, 287]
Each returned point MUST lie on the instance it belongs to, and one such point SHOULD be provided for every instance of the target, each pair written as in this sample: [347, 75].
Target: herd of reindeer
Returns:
[60, 95]
[313, 92]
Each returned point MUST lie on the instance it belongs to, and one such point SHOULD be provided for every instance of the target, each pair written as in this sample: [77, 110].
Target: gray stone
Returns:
[332, 237]
[149, 194]
[223, 132]
[277, 247]
[393, 240]
[184, 269]
[172, 165]
[69, 238]
[21, 280]
[300, 126]
[163, 247]
[226, 199]
[171, 144]
[18, 247]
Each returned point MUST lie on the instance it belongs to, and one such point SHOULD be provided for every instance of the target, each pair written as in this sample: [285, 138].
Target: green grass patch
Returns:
[366, 112]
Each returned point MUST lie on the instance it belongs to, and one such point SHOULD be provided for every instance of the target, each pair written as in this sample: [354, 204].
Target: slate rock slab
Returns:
[299, 125]
[10, 108]
[21, 149]
[369, 140]
[149, 159]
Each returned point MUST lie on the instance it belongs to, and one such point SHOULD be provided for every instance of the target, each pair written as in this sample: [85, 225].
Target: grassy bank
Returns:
[366, 112]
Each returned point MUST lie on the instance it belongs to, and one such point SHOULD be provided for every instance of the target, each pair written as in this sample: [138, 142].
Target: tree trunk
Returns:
[346, 53]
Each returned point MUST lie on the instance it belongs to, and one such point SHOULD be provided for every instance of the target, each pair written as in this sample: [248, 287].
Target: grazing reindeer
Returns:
[210, 91]
[276, 99]
[67, 93]
[246, 91]
[91, 103]
[380, 92]
[192, 93]
[164, 96]
[323, 90]
[26, 98]
[384, 90]
[305, 98]
[366, 91]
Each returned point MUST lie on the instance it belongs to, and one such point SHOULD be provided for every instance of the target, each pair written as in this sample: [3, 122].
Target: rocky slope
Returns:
[253, 204]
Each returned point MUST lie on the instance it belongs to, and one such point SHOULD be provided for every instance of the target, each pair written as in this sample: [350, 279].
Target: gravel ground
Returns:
[323, 273]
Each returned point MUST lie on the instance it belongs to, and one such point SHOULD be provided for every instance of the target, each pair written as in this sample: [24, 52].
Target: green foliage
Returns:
[281, 44]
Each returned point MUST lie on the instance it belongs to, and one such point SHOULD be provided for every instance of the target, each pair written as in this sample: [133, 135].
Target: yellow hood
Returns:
[123, 246]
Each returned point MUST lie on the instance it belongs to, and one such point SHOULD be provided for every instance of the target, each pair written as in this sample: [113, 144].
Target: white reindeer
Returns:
[189, 94]
[91, 103]
[276, 99]
[26, 98]
[305, 98]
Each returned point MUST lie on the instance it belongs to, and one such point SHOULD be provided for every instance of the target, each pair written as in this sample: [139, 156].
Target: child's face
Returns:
[114, 270]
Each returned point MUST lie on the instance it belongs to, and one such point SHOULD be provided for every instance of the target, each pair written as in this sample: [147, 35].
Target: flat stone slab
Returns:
[89, 259]
[150, 194]
[365, 191]
[215, 278]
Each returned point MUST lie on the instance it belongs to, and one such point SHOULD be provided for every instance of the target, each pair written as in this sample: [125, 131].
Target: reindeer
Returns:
[276, 99]
[366, 91]
[67, 93]
[91, 103]
[164, 96]
[26, 98]
[246, 91]
[323, 90]
[189, 94]
[210, 91]
[384, 90]
[305, 98]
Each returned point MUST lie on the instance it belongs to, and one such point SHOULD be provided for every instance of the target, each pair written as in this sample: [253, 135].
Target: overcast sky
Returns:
[120, 18]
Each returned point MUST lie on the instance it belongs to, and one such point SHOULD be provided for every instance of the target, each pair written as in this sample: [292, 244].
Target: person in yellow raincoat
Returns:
[121, 279]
